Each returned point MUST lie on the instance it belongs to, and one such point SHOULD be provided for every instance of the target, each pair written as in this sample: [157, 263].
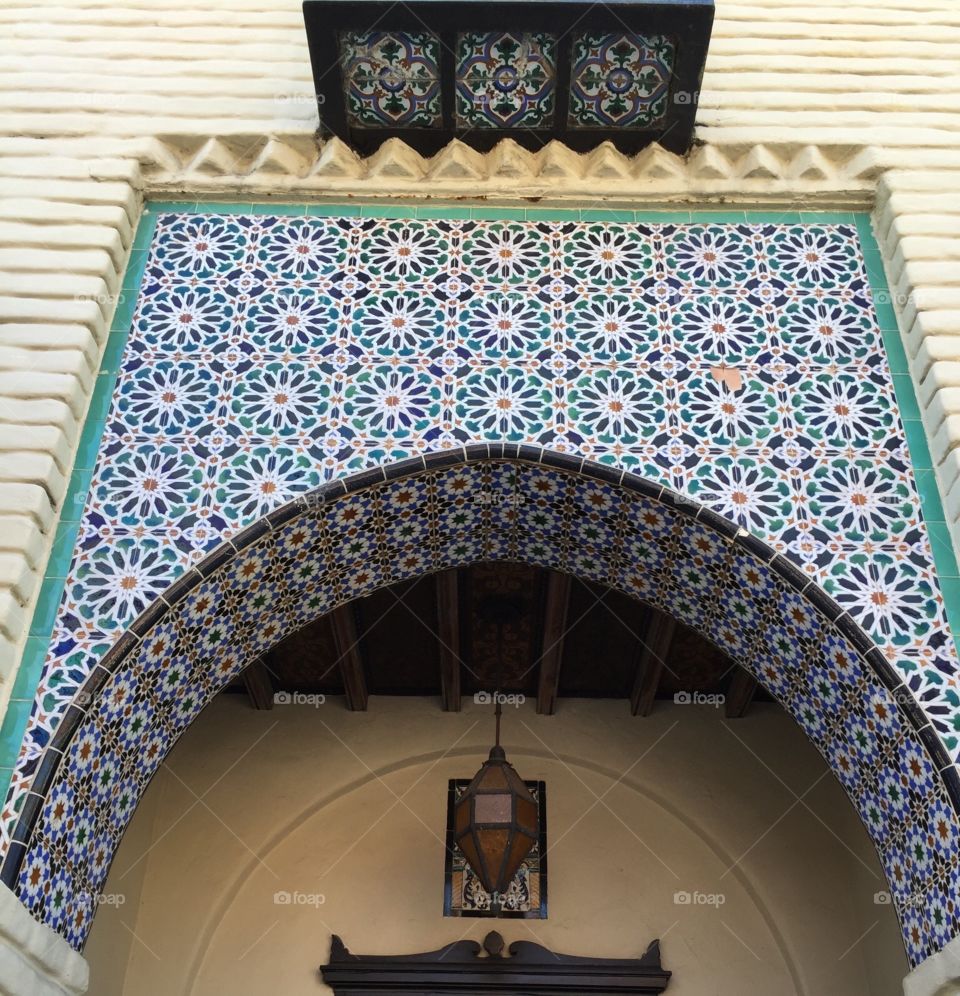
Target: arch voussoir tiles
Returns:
[490, 502]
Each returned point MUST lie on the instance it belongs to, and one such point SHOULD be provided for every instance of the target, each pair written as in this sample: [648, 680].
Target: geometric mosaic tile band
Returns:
[739, 364]
[378, 528]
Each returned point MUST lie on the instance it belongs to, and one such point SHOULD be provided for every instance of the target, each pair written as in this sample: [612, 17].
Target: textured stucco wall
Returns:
[689, 804]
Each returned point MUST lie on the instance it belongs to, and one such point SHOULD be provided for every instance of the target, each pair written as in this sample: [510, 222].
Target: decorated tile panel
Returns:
[391, 79]
[620, 80]
[506, 80]
[740, 365]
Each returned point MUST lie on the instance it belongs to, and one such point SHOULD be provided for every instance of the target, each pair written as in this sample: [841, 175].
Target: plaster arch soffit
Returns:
[232, 888]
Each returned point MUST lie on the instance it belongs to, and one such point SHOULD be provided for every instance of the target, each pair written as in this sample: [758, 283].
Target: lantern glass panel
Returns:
[493, 847]
[527, 815]
[496, 808]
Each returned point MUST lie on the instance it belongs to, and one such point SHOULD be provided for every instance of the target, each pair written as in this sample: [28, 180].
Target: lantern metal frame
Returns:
[538, 912]
[496, 881]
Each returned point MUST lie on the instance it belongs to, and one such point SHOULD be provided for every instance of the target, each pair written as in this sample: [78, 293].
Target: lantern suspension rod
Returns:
[498, 708]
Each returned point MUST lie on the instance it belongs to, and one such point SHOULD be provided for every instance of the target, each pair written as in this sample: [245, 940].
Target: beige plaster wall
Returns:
[351, 807]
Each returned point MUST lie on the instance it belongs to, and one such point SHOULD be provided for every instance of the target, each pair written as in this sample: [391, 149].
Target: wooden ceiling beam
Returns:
[448, 632]
[743, 687]
[651, 656]
[349, 659]
[257, 682]
[556, 607]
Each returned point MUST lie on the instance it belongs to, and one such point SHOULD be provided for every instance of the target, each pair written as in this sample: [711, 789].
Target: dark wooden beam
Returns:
[448, 632]
[740, 694]
[256, 680]
[651, 655]
[556, 606]
[349, 659]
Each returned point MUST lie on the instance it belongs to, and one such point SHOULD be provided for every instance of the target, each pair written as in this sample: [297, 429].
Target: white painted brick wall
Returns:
[804, 105]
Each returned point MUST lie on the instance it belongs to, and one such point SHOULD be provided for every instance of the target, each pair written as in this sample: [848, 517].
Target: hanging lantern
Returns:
[496, 822]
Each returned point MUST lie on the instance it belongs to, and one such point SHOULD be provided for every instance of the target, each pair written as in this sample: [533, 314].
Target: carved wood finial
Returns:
[338, 950]
[652, 955]
[493, 944]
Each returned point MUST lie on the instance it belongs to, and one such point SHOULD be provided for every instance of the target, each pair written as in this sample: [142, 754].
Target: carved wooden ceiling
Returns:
[429, 637]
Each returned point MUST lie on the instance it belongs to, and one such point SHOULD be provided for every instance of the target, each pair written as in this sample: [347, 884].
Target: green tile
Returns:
[89, 445]
[224, 207]
[494, 213]
[555, 214]
[101, 398]
[864, 225]
[875, 272]
[61, 552]
[769, 217]
[896, 354]
[76, 497]
[828, 217]
[886, 314]
[451, 213]
[31, 666]
[926, 481]
[113, 352]
[720, 217]
[11, 733]
[619, 217]
[6, 776]
[285, 209]
[387, 211]
[942, 549]
[951, 598]
[46, 610]
[144, 234]
[906, 397]
[662, 217]
[172, 207]
[333, 210]
[123, 314]
[917, 441]
[134, 271]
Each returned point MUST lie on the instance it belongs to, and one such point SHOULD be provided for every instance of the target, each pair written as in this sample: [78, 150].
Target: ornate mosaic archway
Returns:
[740, 362]
[489, 502]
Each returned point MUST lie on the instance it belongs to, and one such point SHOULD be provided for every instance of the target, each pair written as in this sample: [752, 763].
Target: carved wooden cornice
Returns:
[466, 967]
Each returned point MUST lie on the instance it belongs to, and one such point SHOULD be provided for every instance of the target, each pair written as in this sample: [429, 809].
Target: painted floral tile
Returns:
[620, 80]
[505, 80]
[740, 364]
[391, 78]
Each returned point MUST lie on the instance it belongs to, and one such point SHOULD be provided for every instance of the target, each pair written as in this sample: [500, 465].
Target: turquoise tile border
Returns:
[620, 217]
[926, 478]
[498, 214]
[15, 721]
